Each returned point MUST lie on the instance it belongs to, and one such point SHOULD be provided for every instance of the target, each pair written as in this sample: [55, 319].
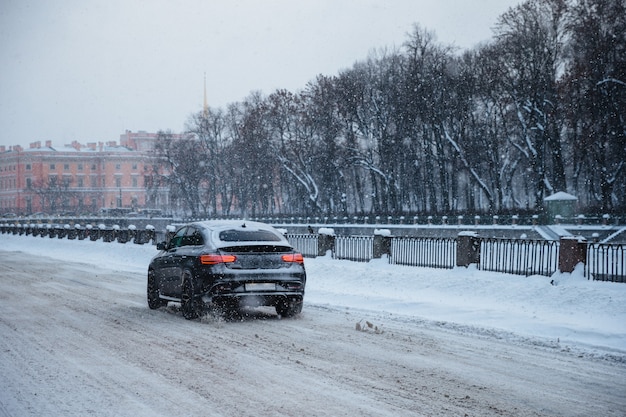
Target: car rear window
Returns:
[248, 236]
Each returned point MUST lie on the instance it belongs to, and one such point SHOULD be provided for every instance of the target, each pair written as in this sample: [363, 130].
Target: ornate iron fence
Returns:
[307, 245]
[354, 248]
[428, 252]
[606, 262]
[519, 256]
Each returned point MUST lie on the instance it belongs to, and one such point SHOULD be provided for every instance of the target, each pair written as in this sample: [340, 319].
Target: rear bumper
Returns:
[253, 299]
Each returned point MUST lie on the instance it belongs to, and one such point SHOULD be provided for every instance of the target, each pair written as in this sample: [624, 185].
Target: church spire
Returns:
[205, 109]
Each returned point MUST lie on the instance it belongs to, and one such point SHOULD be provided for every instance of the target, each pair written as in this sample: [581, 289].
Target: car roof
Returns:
[229, 224]
[219, 225]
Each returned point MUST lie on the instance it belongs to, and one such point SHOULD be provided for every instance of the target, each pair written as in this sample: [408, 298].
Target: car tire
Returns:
[154, 301]
[189, 303]
[289, 308]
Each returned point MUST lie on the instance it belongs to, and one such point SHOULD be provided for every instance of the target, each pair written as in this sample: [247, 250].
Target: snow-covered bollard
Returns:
[106, 233]
[94, 234]
[81, 233]
[72, 232]
[62, 231]
[123, 235]
[144, 236]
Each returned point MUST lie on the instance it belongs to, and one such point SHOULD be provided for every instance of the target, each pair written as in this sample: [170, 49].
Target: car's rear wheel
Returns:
[289, 308]
[189, 303]
[154, 301]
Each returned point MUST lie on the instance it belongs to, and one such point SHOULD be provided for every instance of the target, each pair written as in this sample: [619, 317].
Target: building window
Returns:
[80, 167]
[94, 182]
[118, 166]
[28, 168]
[94, 167]
[135, 167]
[81, 182]
[29, 182]
[66, 167]
[118, 182]
[53, 166]
[134, 181]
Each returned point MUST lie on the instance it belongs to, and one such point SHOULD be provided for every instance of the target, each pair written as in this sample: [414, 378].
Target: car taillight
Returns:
[293, 257]
[215, 259]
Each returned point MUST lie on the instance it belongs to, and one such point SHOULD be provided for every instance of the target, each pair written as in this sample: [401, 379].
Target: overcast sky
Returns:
[88, 70]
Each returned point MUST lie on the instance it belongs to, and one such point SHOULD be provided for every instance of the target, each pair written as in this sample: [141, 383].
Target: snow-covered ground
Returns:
[565, 308]
[77, 338]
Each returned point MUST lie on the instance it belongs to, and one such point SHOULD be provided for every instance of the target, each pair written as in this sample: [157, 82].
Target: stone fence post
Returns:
[382, 243]
[572, 251]
[467, 249]
[325, 241]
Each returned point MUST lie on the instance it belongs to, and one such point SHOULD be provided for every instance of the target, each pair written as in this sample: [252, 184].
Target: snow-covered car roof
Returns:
[227, 232]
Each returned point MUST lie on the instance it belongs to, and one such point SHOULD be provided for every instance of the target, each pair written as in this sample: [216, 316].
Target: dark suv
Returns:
[228, 265]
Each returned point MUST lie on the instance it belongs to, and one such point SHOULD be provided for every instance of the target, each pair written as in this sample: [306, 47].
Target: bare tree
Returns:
[530, 36]
[183, 168]
[595, 94]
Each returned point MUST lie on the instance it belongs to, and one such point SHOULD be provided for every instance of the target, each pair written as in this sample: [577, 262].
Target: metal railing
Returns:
[427, 252]
[519, 256]
[606, 262]
[307, 245]
[354, 248]
[603, 262]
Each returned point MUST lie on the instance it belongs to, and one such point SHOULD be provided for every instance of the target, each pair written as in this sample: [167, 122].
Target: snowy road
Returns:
[76, 341]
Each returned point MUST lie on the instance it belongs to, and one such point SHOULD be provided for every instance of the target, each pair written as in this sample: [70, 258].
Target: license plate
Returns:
[261, 286]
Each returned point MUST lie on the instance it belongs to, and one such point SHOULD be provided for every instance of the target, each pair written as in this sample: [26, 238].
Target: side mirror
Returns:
[161, 246]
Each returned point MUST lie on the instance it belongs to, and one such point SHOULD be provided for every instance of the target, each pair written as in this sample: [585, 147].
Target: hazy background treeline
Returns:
[424, 128]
